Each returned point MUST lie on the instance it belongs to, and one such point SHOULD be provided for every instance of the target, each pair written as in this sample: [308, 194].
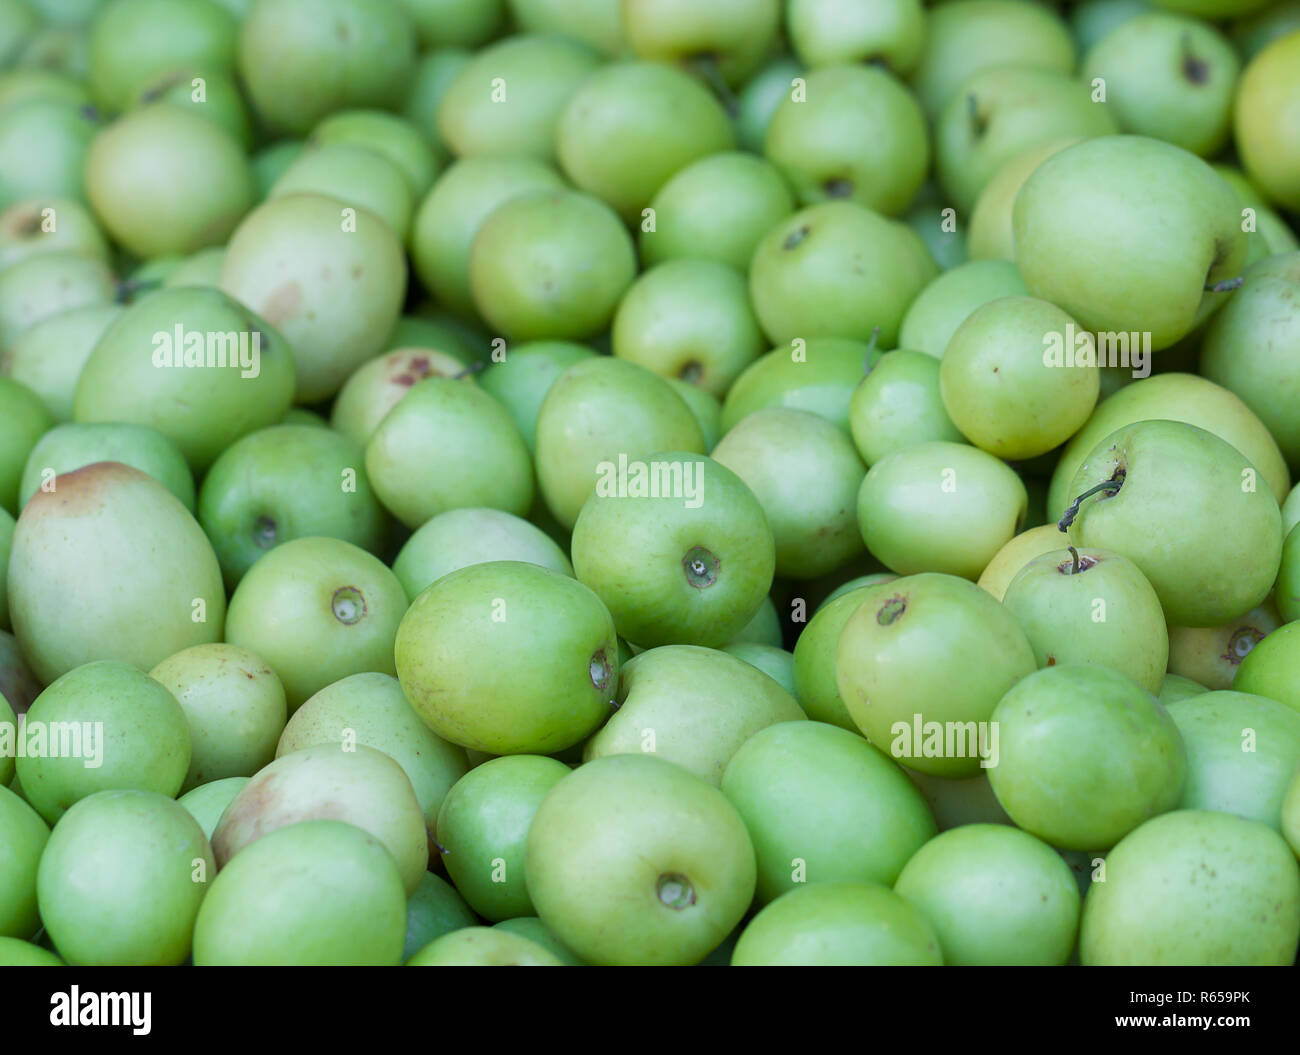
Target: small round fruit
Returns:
[483, 947]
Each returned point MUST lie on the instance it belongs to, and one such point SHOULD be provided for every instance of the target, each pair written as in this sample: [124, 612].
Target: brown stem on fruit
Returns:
[1109, 487]
[1074, 570]
[977, 122]
[1226, 286]
[469, 371]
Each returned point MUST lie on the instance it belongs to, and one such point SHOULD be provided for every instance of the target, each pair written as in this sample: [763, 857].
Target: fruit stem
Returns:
[1109, 486]
[1226, 286]
[1075, 554]
[871, 348]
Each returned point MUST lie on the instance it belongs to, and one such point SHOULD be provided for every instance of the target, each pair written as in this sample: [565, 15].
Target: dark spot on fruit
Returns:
[356, 270]
[1243, 639]
[838, 188]
[1196, 70]
[701, 567]
[266, 533]
[1051, 660]
[675, 891]
[404, 379]
[283, 304]
[796, 237]
[892, 610]
[691, 372]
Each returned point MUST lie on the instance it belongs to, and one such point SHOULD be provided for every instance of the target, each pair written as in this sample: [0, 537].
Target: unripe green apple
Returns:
[692, 706]
[674, 899]
[318, 892]
[759, 99]
[532, 928]
[959, 801]
[814, 660]
[948, 300]
[208, 802]
[390, 136]
[991, 232]
[1288, 577]
[1213, 655]
[23, 421]
[1291, 815]
[598, 22]
[898, 404]
[43, 146]
[14, 952]
[1087, 755]
[818, 375]
[483, 947]
[23, 837]
[1154, 492]
[523, 376]
[828, 32]
[1264, 120]
[764, 628]
[1018, 552]
[46, 224]
[377, 386]
[433, 910]
[775, 662]
[49, 356]
[1175, 688]
[908, 704]
[158, 585]
[45, 284]
[354, 175]
[725, 39]
[1272, 668]
[1236, 878]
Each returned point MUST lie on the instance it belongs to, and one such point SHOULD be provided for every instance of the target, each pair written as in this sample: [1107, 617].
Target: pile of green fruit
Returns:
[649, 482]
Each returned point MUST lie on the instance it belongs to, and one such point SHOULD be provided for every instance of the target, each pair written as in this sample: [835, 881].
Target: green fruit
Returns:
[463, 23]
[17, 953]
[532, 928]
[995, 895]
[1175, 688]
[706, 410]
[483, 947]
[1086, 756]
[677, 547]
[837, 270]
[482, 828]
[1213, 655]
[371, 709]
[330, 278]
[1092, 607]
[192, 363]
[942, 507]
[838, 925]
[23, 421]
[1166, 486]
[433, 910]
[234, 706]
[317, 610]
[814, 660]
[213, 96]
[354, 175]
[632, 125]
[776, 663]
[824, 806]
[946, 302]
[377, 386]
[991, 231]
[674, 899]
[1272, 667]
[199, 269]
[45, 284]
[208, 802]
[759, 99]
[1262, 121]
[692, 706]
[598, 22]
[897, 405]
[717, 208]
[157, 587]
[908, 704]
[959, 801]
[400, 141]
[124, 730]
[1291, 816]
[462, 537]
[287, 482]
[522, 378]
[49, 225]
[1235, 878]
[726, 40]
[826, 32]
[764, 628]
[550, 264]
[23, 837]
[43, 146]
[270, 162]
[315, 893]
[449, 651]
[1288, 578]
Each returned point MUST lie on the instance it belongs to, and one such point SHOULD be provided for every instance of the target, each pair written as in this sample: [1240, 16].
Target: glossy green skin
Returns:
[689, 319]
[433, 75]
[775, 662]
[814, 660]
[449, 218]
[43, 145]
[483, 947]
[234, 706]
[132, 43]
[293, 608]
[23, 421]
[692, 706]
[1093, 19]
[122, 878]
[269, 163]
[1212, 656]
[164, 179]
[157, 589]
[145, 742]
[330, 781]
[959, 801]
[461, 537]
[45, 284]
[1175, 688]
[717, 208]
[635, 552]
[849, 585]
[819, 376]
[999, 391]
[1017, 107]
[600, 843]
[202, 409]
[858, 134]
[898, 405]
[806, 475]
[1086, 756]
[1181, 482]
[595, 411]
[598, 22]
[550, 264]
[949, 299]
[837, 270]
[1195, 888]
[1144, 64]
[301, 61]
[1225, 772]
[334, 294]
[706, 409]
[631, 126]
[824, 806]
[482, 828]
[26, 228]
[23, 84]
[824, 32]
[532, 928]
[838, 925]
[377, 386]
[886, 672]
[1249, 347]
[371, 709]
[398, 140]
[433, 910]
[1105, 615]
[199, 269]
[1291, 816]
[991, 232]
[1270, 228]
[17, 953]
[764, 628]
[735, 35]
[521, 380]
[759, 99]
[1272, 668]
[463, 23]
[996, 896]
[943, 507]
[215, 98]
[961, 41]
[287, 482]
[538, 76]
[1266, 140]
[68, 447]
[1132, 260]
[449, 648]
[354, 175]
[315, 893]
[208, 802]
[448, 445]
[23, 836]
[1173, 397]
[1288, 578]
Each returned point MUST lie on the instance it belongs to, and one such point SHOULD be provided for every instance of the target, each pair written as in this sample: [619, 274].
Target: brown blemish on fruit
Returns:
[283, 304]
[1051, 660]
[892, 610]
[82, 491]
[796, 237]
